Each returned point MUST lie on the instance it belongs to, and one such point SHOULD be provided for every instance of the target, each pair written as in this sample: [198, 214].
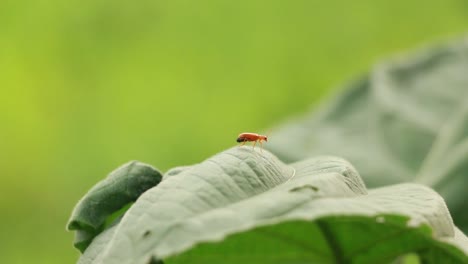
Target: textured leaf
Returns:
[121, 187]
[407, 120]
[94, 253]
[260, 210]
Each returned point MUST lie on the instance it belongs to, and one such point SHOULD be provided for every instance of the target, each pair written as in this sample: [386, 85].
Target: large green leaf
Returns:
[407, 120]
[123, 186]
[244, 205]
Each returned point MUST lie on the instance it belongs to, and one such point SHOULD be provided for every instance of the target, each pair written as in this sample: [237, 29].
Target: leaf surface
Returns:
[246, 205]
[406, 121]
[121, 187]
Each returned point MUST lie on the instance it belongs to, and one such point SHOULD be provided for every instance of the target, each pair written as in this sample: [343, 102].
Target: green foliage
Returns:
[87, 85]
[406, 121]
[121, 187]
[256, 209]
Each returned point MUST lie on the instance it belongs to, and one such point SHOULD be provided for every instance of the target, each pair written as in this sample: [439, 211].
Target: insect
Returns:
[251, 137]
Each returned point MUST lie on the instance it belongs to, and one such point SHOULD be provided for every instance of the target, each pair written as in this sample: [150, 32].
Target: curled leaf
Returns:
[121, 187]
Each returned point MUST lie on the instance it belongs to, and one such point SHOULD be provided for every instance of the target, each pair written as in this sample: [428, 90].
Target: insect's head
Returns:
[265, 138]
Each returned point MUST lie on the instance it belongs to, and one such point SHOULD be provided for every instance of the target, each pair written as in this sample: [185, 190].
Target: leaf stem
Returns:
[332, 242]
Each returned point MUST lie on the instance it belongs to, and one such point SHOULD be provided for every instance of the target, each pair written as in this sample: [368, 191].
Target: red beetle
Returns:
[251, 137]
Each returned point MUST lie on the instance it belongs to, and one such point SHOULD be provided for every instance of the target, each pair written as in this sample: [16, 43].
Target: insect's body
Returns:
[251, 137]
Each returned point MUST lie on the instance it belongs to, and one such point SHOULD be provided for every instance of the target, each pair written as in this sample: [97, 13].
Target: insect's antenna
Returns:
[268, 133]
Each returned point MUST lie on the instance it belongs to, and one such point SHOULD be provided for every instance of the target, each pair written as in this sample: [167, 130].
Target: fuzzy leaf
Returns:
[246, 205]
[406, 121]
[121, 187]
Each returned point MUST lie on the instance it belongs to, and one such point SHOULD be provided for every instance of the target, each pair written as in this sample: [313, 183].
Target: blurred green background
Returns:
[88, 85]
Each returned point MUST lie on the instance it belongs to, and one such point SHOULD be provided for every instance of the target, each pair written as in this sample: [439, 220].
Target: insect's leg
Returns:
[242, 144]
[261, 146]
[255, 142]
